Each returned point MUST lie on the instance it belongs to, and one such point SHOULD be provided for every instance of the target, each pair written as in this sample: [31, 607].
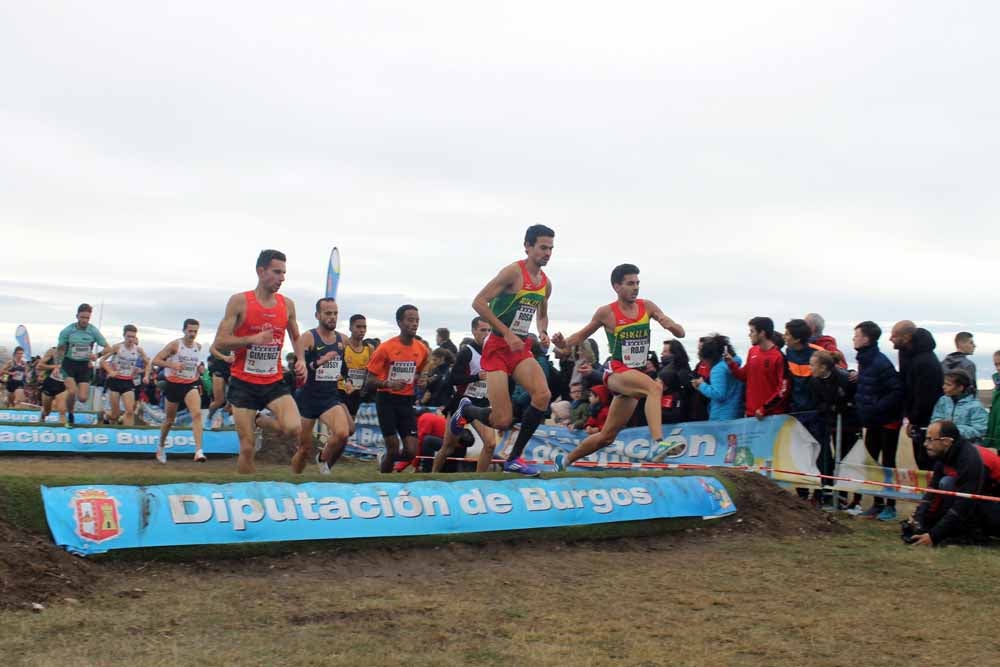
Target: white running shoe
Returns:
[161, 455]
[258, 439]
[324, 467]
[199, 456]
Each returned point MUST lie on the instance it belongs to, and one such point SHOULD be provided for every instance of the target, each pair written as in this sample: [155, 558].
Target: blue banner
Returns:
[106, 440]
[95, 519]
[31, 417]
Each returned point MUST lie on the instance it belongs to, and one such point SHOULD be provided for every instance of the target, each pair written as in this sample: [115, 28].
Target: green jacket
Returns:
[993, 429]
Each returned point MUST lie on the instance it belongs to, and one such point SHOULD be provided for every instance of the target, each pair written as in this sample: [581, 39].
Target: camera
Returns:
[910, 531]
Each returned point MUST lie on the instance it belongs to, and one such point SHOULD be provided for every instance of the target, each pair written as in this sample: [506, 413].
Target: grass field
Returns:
[727, 593]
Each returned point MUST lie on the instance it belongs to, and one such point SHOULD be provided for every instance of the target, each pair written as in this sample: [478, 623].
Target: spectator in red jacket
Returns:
[764, 371]
[600, 402]
[829, 343]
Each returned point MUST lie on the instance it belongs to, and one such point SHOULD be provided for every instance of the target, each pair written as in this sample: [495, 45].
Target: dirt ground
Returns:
[780, 583]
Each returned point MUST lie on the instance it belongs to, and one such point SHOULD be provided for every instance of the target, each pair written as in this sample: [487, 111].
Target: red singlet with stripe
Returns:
[261, 364]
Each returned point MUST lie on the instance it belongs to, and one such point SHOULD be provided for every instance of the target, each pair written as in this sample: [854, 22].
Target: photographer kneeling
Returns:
[961, 467]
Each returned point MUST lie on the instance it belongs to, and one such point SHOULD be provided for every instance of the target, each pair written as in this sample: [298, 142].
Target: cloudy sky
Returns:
[752, 158]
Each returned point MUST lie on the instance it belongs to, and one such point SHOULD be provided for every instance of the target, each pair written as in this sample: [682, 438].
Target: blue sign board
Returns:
[94, 519]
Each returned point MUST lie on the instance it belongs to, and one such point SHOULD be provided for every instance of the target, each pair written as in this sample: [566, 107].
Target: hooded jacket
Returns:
[966, 412]
[724, 393]
[922, 378]
[879, 396]
[959, 361]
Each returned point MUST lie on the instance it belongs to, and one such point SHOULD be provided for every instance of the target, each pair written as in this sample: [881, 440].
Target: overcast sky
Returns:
[752, 158]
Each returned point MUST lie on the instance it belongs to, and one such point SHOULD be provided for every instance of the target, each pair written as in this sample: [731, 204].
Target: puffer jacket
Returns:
[966, 412]
[879, 396]
[724, 393]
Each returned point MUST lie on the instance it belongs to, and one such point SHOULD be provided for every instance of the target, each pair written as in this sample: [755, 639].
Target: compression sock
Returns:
[530, 420]
[472, 413]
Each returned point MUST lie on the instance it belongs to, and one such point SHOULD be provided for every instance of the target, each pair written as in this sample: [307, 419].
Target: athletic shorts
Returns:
[452, 405]
[311, 406]
[497, 355]
[53, 387]
[250, 396]
[352, 401]
[120, 386]
[14, 385]
[78, 370]
[219, 368]
[396, 415]
[175, 392]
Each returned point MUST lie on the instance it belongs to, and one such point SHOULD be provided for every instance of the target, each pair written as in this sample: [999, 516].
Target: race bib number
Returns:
[57, 374]
[476, 389]
[521, 323]
[17, 376]
[79, 352]
[634, 353]
[357, 376]
[124, 368]
[262, 359]
[188, 371]
[403, 371]
[330, 371]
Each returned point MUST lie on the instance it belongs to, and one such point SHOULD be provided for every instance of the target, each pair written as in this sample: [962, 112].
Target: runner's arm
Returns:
[292, 327]
[160, 359]
[504, 280]
[542, 317]
[460, 369]
[45, 363]
[596, 322]
[218, 354]
[301, 344]
[106, 354]
[225, 339]
[656, 314]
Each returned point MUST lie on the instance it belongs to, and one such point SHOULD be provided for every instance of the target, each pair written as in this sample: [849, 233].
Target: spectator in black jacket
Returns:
[439, 386]
[444, 341]
[879, 404]
[678, 394]
[832, 393]
[922, 379]
[958, 466]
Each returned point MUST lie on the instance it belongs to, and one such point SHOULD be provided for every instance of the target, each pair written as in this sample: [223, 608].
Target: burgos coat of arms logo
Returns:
[96, 514]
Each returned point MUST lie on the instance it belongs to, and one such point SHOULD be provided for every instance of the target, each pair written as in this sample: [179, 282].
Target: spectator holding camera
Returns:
[723, 390]
[960, 407]
[961, 467]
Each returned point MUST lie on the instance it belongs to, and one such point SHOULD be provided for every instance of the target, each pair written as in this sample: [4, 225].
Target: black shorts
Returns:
[52, 387]
[311, 405]
[119, 386]
[218, 368]
[175, 392]
[79, 371]
[396, 415]
[14, 385]
[352, 401]
[452, 404]
[251, 396]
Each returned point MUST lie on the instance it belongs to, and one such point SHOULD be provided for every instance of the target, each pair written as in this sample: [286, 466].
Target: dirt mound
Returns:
[277, 449]
[763, 507]
[33, 570]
